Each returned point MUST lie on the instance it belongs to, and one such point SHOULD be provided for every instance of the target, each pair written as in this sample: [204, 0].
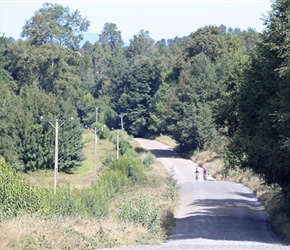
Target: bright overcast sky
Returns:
[163, 19]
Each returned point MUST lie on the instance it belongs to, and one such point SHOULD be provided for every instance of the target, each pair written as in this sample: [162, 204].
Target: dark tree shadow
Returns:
[226, 219]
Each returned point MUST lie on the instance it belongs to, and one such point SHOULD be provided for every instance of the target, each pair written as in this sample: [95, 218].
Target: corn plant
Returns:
[16, 193]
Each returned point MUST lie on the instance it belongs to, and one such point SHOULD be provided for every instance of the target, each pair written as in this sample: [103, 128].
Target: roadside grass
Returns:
[82, 232]
[166, 140]
[29, 232]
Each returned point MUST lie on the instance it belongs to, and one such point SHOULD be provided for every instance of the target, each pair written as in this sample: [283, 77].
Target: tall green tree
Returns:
[111, 36]
[263, 133]
[141, 44]
[55, 24]
[207, 40]
[48, 67]
[230, 74]
[135, 95]
[193, 126]
[27, 143]
[4, 75]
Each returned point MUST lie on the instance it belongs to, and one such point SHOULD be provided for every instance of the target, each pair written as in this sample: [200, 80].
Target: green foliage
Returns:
[187, 110]
[4, 75]
[134, 95]
[51, 68]
[107, 161]
[54, 23]
[206, 40]
[148, 160]
[111, 36]
[171, 187]
[280, 219]
[167, 87]
[124, 146]
[27, 143]
[104, 133]
[64, 203]
[141, 211]
[141, 44]
[16, 193]
[160, 108]
[262, 136]
[131, 167]
[255, 114]
[183, 87]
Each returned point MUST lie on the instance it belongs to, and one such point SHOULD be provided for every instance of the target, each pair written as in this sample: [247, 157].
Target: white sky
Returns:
[163, 19]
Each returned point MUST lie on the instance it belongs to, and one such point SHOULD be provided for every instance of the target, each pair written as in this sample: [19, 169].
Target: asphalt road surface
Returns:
[212, 214]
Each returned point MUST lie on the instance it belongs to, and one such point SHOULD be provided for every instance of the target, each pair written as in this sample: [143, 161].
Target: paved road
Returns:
[212, 214]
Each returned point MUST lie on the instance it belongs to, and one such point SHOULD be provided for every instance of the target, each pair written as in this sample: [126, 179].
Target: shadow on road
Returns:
[160, 153]
[225, 219]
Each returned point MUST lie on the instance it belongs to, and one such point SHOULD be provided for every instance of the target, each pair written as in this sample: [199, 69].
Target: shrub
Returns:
[104, 133]
[65, 202]
[142, 212]
[16, 193]
[131, 167]
[107, 161]
[124, 146]
[148, 160]
[98, 197]
[171, 187]
[280, 219]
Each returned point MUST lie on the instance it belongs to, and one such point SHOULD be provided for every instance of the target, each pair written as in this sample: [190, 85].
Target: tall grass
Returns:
[142, 211]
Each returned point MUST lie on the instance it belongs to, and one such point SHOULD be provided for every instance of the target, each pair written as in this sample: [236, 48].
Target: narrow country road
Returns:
[212, 214]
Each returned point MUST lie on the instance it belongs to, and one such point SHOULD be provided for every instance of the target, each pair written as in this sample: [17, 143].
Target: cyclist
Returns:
[204, 171]
[196, 174]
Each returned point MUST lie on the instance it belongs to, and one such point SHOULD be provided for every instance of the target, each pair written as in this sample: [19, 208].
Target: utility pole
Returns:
[95, 130]
[122, 124]
[118, 143]
[97, 111]
[56, 127]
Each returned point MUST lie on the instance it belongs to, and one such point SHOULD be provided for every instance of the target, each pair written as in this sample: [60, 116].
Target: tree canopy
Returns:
[259, 132]
[55, 24]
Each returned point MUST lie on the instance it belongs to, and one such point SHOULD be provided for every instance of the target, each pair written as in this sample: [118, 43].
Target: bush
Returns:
[171, 187]
[104, 133]
[16, 193]
[98, 197]
[142, 212]
[280, 219]
[124, 146]
[148, 160]
[65, 202]
[107, 161]
[131, 167]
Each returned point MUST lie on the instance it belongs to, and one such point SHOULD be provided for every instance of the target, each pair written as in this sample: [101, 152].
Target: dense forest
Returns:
[218, 88]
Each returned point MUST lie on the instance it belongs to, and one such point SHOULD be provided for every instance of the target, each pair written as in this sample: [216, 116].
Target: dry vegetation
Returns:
[30, 232]
[166, 140]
